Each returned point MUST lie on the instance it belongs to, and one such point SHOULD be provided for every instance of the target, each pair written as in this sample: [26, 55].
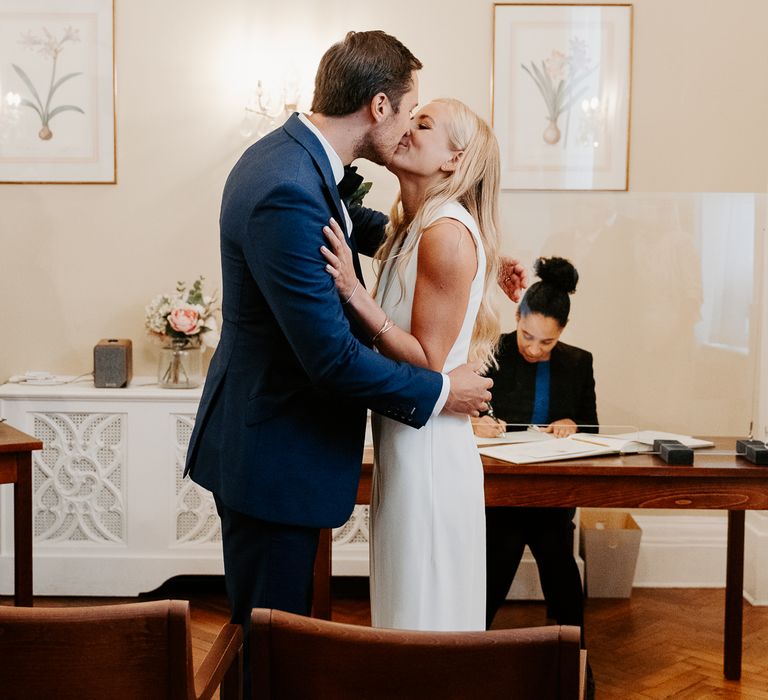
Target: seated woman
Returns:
[543, 382]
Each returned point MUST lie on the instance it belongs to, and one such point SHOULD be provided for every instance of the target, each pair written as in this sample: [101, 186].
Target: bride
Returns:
[432, 308]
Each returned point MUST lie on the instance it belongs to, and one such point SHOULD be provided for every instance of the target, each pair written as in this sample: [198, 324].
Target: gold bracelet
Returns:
[349, 298]
[389, 324]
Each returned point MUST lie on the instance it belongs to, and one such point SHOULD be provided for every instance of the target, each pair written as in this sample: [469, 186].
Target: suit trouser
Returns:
[266, 565]
[549, 534]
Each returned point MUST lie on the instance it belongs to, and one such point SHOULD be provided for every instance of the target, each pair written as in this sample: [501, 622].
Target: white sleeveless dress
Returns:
[427, 516]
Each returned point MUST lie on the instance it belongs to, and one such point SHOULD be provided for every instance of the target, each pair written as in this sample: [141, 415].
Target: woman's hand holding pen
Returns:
[488, 427]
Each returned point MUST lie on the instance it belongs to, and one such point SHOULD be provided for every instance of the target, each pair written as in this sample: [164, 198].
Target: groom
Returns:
[279, 432]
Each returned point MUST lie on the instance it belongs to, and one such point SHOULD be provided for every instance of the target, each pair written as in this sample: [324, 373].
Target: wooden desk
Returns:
[631, 481]
[16, 468]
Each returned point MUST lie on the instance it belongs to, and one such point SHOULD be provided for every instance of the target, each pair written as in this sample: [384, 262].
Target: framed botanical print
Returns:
[57, 91]
[561, 95]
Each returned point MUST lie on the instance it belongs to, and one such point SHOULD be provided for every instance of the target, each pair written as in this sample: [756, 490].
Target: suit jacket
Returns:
[571, 385]
[280, 428]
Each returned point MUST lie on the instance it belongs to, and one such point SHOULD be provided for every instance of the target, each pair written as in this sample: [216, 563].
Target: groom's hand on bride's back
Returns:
[470, 391]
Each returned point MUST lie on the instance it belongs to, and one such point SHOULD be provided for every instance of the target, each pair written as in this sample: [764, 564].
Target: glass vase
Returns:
[180, 365]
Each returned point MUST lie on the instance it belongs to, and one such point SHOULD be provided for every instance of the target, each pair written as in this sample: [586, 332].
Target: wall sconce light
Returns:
[269, 108]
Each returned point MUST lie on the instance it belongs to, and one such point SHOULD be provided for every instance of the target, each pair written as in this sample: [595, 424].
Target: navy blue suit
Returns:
[279, 432]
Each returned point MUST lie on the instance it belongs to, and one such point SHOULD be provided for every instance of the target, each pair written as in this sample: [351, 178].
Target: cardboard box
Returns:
[609, 541]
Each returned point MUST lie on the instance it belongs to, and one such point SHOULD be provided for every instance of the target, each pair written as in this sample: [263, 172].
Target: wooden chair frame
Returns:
[129, 651]
[295, 657]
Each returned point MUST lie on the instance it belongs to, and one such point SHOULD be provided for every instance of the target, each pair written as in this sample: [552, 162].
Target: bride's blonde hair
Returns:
[475, 185]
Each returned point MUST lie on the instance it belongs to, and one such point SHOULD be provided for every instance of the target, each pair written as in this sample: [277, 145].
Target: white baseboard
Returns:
[681, 551]
[756, 557]
[72, 575]
[350, 560]
[676, 551]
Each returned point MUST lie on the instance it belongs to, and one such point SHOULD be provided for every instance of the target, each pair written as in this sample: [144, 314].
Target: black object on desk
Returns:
[674, 452]
[757, 454]
[741, 445]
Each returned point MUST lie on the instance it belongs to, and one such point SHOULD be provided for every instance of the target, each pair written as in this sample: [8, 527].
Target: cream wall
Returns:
[79, 263]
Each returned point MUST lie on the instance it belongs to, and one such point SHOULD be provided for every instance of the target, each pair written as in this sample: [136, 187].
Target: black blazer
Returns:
[571, 385]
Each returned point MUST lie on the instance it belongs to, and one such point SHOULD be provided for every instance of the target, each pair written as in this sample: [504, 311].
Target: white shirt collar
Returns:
[336, 165]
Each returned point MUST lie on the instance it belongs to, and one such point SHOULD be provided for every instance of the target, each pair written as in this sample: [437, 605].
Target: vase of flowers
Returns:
[185, 324]
[180, 365]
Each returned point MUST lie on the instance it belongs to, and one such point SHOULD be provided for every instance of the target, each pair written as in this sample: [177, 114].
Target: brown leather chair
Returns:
[301, 657]
[112, 652]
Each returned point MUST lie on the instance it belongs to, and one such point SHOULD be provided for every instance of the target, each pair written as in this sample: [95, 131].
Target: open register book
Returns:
[532, 446]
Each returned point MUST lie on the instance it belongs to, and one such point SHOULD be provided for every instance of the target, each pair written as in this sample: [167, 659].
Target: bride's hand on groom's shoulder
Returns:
[339, 265]
[470, 391]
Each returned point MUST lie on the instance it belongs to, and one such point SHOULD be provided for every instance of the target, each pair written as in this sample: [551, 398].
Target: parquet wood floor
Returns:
[660, 643]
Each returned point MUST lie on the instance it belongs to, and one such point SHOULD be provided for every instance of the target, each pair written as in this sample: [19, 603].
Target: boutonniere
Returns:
[356, 200]
[352, 189]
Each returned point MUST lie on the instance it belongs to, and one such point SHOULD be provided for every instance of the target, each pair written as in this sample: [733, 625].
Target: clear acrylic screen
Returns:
[668, 299]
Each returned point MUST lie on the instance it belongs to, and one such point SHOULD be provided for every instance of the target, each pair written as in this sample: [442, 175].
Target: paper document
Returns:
[549, 449]
[514, 437]
[645, 438]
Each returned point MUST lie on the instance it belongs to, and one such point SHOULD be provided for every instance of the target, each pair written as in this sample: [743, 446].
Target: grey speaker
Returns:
[112, 363]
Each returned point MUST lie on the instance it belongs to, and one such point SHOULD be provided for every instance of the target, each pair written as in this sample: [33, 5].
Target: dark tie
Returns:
[347, 187]
[349, 183]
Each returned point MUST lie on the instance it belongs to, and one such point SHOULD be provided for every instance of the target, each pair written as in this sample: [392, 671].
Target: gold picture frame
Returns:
[561, 95]
[57, 92]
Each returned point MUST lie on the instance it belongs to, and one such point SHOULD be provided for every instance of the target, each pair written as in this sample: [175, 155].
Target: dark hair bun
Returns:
[558, 272]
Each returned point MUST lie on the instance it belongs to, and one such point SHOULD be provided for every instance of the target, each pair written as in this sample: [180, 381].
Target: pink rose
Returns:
[185, 319]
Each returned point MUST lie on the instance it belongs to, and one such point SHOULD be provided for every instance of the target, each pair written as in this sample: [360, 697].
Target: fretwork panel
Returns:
[78, 478]
[196, 519]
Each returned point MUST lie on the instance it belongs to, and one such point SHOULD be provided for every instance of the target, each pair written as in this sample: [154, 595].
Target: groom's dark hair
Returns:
[352, 71]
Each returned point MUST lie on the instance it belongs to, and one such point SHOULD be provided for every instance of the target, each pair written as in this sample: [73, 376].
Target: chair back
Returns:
[136, 650]
[300, 657]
